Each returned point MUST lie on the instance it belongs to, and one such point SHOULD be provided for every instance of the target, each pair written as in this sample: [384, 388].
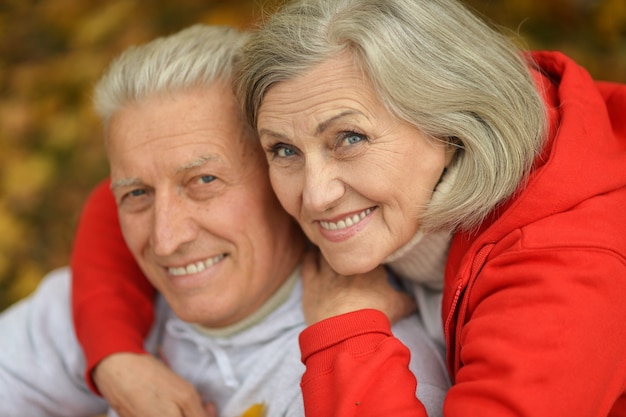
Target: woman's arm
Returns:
[111, 298]
[354, 365]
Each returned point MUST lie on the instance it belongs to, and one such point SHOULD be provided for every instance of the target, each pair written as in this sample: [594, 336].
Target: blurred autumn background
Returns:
[52, 51]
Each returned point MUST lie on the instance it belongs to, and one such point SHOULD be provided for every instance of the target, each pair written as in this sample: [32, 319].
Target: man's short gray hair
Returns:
[195, 56]
[434, 64]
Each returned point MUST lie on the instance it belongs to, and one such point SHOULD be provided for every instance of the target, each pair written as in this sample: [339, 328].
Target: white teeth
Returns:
[195, 267]
[347, 222]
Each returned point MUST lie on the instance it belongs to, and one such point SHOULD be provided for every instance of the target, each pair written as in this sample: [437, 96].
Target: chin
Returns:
[348, 267]
[190, 310]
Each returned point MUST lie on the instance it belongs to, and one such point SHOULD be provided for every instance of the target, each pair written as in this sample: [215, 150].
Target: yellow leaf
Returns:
[25, 177]
[256, 410]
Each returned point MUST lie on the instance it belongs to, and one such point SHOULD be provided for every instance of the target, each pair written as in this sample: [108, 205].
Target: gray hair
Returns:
[434, 64]
[195, 56]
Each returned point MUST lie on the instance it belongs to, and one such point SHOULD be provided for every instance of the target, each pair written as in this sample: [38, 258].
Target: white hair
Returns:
[195, 56]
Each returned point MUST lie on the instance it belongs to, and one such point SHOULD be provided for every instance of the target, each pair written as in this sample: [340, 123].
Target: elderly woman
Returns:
[410, 133]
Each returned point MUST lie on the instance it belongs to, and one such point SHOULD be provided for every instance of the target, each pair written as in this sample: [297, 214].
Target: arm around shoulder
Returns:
[112, 301]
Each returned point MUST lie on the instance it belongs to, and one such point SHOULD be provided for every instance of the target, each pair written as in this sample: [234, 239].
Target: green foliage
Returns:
[51, 152]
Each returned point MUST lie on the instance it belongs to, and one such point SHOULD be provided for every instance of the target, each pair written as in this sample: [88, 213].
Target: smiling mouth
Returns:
[195, 267]
[346, 222]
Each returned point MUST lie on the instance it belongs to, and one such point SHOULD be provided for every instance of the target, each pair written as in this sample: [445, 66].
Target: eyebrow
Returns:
[324, 125]
[125, 182]
[320, 127]
[197, 163]
[134, 181]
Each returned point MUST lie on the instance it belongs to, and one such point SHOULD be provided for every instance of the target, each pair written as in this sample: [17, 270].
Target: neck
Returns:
[279, 297]
[423, 258]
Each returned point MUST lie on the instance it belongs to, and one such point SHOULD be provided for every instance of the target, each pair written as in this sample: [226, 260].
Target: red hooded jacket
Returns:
[532, 310]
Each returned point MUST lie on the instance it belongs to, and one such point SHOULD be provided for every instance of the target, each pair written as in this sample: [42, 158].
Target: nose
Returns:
[323, 186]
[173, 225]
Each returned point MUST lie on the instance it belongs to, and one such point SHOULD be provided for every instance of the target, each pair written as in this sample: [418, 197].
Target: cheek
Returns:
[135, 231]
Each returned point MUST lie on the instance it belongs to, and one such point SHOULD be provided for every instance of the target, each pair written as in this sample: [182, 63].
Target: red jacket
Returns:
[532, 309]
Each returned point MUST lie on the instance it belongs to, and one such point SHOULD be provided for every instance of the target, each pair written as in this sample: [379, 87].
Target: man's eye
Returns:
[204, 187]
[135, 200]
[137, 193]
[205, 179]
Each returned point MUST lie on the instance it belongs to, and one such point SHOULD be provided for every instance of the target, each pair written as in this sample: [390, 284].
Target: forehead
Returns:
[335, 85]
[180, 128]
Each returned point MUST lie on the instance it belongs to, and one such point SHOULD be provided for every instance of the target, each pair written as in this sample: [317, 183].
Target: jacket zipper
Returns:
[453, 352]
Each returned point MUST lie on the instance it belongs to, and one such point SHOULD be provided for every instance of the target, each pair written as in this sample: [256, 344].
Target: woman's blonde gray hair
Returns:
[434, 64]
[196, 56]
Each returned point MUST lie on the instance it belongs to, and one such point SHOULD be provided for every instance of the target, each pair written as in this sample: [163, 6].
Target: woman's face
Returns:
[355, 177]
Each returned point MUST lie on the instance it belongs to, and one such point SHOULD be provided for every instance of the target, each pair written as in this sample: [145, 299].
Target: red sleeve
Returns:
[354, 366]
[111, 298]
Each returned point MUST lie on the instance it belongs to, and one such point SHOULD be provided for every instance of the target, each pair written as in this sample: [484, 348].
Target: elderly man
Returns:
[198, 214]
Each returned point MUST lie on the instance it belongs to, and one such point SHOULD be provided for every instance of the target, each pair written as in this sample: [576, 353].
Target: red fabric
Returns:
[111, 298]
[533, 304]
[357, 347]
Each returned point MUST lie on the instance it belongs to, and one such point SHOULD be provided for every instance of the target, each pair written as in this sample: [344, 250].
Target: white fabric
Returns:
[422, 268]
[41, 362]
[42, 366]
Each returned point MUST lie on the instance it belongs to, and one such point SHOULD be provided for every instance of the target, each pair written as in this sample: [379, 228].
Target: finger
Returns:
[403, 306]
[191, 404]
[211, 410]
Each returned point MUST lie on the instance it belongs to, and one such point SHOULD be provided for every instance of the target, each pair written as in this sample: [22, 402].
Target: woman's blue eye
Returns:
[280, 150]
[284, 152]
[350, 138]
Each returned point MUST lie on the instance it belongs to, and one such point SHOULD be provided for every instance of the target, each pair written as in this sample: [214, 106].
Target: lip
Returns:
[344, 229]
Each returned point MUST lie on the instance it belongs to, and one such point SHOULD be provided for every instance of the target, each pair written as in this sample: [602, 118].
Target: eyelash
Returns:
[350, 133]
[134, 193]
[210, 178]
[137, 192]
[134, 200]
[274, 149]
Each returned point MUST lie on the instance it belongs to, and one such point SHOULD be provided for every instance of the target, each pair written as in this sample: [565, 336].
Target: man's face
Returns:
[196, 207]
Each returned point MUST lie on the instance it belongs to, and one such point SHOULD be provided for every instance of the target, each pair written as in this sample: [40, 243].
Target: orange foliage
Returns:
[53, 51]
